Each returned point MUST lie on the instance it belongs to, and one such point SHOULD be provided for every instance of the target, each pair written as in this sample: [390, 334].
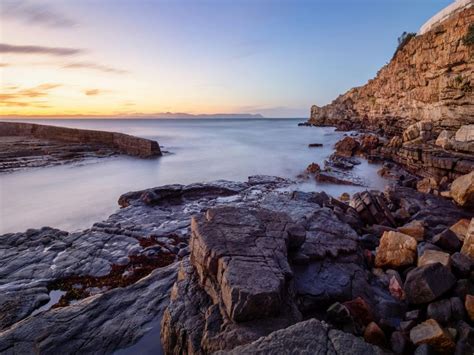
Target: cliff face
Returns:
[430, 78]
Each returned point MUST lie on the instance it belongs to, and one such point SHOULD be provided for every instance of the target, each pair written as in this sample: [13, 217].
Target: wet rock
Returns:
[315, 145]
[313, 168]
[426, 283]
[462, 190]
[395, 250]
[431, 333]
[447, 240]
[414, 229]
[433, 257]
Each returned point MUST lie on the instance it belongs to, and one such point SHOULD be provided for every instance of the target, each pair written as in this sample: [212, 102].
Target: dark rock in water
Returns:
[447, 240]
[315, 145]
[311, 336]
[426, 283]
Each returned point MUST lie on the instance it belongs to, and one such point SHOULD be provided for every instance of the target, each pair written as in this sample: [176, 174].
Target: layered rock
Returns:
[429, 78]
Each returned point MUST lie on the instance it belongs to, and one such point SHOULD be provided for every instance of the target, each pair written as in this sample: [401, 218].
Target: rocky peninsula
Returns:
[25, 145]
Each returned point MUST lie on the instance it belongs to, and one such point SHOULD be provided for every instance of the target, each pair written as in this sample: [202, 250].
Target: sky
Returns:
[139, 57]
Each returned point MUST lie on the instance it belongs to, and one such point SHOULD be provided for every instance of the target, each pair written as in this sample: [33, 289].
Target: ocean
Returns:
[73, 197]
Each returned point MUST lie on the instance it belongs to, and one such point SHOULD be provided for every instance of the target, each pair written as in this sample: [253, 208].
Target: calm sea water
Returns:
[73, 197]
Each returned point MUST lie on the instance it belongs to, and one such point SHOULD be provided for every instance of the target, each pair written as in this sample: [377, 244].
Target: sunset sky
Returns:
[131, 57]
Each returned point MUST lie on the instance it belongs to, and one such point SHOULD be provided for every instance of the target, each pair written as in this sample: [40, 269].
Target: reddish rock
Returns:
[414, 229]
[468, 245]
[313, 168]
[374, 335]
[431, 333]
[347, 146]
[460, 228]
[396, 288]
[395, 250]
[462, 190]
[360, 310]
[434, 256]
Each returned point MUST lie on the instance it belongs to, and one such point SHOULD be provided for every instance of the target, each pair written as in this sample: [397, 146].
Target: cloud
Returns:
[35, 14]
[14, 96]
[56, 51]
[92, 92]
[94, 66]
[3, 65]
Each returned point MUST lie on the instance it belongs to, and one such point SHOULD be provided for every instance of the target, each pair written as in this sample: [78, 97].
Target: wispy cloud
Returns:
[14, 96]
[95, 66]
[92, 92]
[34, 14]
[55, 51]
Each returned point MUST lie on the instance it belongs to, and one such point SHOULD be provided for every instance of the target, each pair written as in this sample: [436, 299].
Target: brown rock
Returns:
[431, 333]
[374, 335]
[469, 304]
[434, 256]
[346, 147]
[460, 228]
[345, 197]
[395, 250]
[468, 245]
[360, 310]
[313, 168]
[414, 229]
[462, 190]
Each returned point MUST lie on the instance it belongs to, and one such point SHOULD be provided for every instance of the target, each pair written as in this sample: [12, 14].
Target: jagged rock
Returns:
[462, 190]
[434, 256]
[311, 336]
[414, 229]
[444, 310]
[468, 245]
[240, 257]
[431, 333]
[465, 133]
[396, 288]
[313, 168]
[447, 240]
[426, 283]
[460, 228]
[395, 250]
[372, 208]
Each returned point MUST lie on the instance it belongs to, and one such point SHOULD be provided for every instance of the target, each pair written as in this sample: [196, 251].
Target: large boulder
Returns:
[395, 250]
[433, 257]
[414, 229]
[444, 139]
[465, 133]
[347, 147]
[426, 283]
[462, 190]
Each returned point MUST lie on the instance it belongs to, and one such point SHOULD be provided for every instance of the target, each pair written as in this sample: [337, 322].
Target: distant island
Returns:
[176, 115]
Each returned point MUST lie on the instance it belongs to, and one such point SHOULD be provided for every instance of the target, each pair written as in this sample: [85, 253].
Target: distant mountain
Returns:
[176, 115]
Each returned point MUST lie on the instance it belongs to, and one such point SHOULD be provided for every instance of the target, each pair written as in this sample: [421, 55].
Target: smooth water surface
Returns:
[73, 197]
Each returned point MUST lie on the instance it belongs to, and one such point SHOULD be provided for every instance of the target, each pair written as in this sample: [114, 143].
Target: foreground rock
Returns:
[250, 261]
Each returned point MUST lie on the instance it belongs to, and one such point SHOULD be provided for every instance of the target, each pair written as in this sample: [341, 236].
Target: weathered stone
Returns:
[440, 310]
[360, 310]
[434, 256]
[398, 342]
[460, 228]
[372, 208]
[447, 240]
[444, 139]
[431, 333]
[311, 336]
[374, 335]
[426, 283]
[395, 250]
[468, 245]
[461, 264]
[465, 133]
[347, 146]
[469, 304]
[228, 246]
[396, 288]
[414, 229]
[462, 190]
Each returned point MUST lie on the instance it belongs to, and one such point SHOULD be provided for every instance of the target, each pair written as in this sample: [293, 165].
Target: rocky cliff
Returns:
[429, 78]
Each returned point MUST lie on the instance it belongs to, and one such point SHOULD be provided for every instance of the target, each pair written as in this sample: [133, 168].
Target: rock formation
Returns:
[429, 79]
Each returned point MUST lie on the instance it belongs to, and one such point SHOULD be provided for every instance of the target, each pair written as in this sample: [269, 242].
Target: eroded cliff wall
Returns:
[430, 78]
